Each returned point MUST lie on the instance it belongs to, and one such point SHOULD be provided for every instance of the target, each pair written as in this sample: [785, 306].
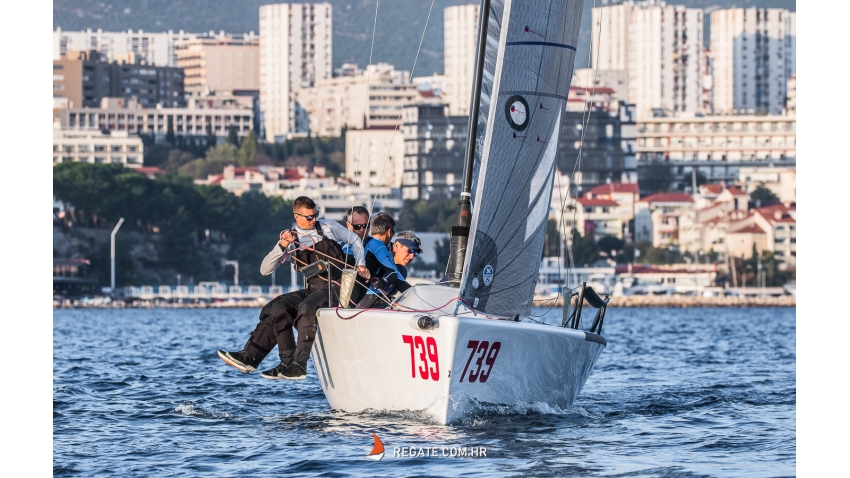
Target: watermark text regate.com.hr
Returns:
[442, 452]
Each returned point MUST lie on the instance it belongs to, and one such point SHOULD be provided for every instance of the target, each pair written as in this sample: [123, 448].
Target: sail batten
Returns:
[528, 65]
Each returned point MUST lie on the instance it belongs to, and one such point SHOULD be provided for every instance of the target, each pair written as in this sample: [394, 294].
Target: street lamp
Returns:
[112, 253]
[235, 265]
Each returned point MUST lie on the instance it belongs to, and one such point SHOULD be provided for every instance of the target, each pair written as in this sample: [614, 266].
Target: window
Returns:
[116, 148]
[588, 210]
[99, 148]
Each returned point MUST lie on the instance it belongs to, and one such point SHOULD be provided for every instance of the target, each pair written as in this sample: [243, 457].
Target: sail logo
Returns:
[488, 275]
[377, 449]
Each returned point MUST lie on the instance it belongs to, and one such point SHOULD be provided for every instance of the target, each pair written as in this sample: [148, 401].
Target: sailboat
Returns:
[445, 350]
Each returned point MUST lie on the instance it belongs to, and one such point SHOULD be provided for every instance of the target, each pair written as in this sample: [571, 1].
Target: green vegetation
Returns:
[764, 197]
[190, 228]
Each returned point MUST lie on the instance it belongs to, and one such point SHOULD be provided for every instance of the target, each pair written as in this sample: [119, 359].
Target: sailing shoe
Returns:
[239, 361]
[275, 373]
[295, 371]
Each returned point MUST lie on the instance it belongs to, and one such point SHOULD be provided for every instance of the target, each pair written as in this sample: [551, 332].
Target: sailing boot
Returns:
[297, 370]
[246, 360]
[285, 359]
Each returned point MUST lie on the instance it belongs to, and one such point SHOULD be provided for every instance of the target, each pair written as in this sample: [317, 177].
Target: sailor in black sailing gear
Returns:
[305, 244]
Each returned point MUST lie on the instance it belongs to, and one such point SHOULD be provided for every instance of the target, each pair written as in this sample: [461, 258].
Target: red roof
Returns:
[668, 197]
[712, 188]
[427, 94]
[596, 202]
[735, 191]
[753, 229]
[614, 188]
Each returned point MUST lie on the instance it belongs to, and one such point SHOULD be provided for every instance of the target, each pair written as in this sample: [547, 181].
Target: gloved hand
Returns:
[378, 282]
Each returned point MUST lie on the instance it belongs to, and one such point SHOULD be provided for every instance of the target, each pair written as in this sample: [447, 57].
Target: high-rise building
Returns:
[754, 54]
[661, 48]
[374, 156]
[84, 79]
[152, 48]
[295, 52]
[372, 98]
[220, 63]
[460, 33]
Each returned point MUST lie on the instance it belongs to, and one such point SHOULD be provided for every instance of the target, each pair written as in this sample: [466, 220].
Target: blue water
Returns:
[677, 392]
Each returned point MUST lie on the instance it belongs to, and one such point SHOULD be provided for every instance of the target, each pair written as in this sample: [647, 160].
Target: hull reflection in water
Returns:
[446, 365]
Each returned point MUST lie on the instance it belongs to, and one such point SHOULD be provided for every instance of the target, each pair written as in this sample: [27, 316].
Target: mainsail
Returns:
[526, 79]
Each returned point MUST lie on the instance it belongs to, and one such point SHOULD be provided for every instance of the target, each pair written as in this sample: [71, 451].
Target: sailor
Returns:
[388, 278]
[305, 245]
[404, 248]
[358, 222]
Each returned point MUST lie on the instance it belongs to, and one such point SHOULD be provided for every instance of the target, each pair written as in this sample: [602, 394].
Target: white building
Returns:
[661, 48]
[98, 148]
[219, 63]
[203, 116]
[375, 96]
[375, 156]
[754, 54]
[295, 52]
[460, 39]
[153, 48]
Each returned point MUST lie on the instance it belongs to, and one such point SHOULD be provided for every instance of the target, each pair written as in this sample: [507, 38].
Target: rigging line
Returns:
[409, 81]
[577, 165]
[365, 112]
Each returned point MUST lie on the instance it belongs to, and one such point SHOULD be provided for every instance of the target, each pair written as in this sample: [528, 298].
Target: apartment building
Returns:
[660, 47]
[295, 53]
[434, 152]
[460, 43]
[98, 148]
[157, 49]
[202, 117]
[375, 156]
[85, 79]
[754, 55]
[370, 98]
[219, 63]
[657, 217]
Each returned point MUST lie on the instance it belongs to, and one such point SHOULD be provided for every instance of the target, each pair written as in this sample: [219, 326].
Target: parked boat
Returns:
[446, 350]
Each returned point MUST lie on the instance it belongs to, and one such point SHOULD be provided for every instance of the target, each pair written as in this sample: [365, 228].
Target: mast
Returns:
[463, 213]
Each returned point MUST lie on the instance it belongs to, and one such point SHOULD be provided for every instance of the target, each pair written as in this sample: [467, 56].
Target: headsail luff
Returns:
[530, 80]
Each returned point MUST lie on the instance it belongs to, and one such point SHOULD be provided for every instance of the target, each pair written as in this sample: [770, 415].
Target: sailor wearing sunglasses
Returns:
[307, 243]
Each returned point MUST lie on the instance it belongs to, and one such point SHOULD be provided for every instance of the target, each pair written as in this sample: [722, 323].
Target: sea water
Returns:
[677, 392]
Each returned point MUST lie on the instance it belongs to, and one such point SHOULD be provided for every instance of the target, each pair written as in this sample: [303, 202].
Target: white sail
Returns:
[530, 68]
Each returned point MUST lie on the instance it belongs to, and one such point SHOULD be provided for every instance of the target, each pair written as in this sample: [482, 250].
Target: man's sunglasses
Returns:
[309, 218]
[411, 251]
[358, 227]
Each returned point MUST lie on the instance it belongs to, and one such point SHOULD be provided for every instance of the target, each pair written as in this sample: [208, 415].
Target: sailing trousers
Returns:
[282, 314]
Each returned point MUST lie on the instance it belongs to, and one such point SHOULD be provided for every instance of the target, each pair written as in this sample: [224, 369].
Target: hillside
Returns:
[399, 27]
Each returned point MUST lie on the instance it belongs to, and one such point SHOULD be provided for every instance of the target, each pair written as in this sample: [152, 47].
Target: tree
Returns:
[552, 241]
[169, 133]
[655, 178]
[763, 196]
[248, 151]
[584, 250]
[232, 136]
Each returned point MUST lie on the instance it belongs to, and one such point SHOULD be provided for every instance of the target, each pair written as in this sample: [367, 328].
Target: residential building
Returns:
[221, 62]
[657, 217]
[791, 95]
[626, 196]
[98, 148]
[372, 98]
[781, 181]
[84, 79]
[434, 152]
[754, 54]
[596, 218]
[715, 147]
[295, 52]
[151, 48]
[460, 43]
[202, 117]
[616, 80]
[605, 136]
[374, 156]
[706, 226]
[661, 48]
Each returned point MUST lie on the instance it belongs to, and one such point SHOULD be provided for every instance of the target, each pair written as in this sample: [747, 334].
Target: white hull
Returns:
[383, 360]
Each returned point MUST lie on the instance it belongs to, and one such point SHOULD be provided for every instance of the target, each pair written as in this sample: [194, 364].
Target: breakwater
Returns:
[616, 301]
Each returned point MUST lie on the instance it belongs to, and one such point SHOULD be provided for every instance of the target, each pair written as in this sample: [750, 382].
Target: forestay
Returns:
[524, 91]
